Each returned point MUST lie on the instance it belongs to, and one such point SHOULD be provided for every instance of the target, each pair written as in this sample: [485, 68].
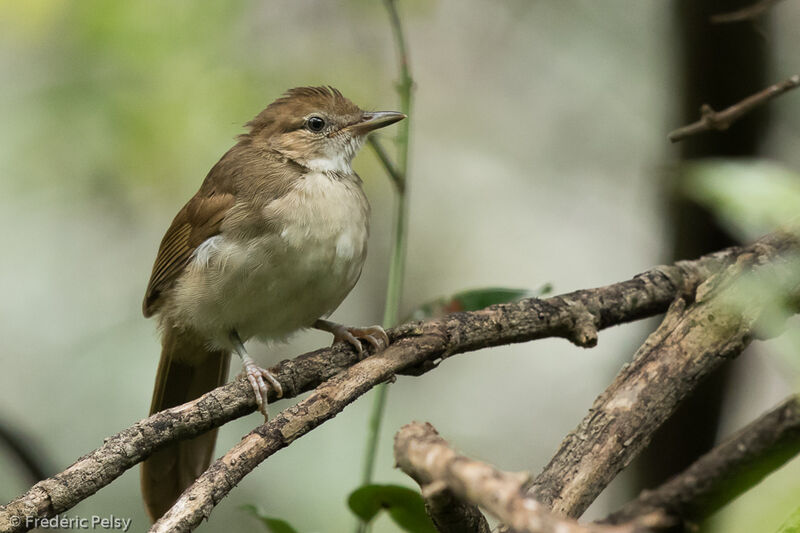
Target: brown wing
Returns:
[246, 171]
[200, 219]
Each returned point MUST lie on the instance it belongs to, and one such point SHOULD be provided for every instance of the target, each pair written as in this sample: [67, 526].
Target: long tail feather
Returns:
[187, 370]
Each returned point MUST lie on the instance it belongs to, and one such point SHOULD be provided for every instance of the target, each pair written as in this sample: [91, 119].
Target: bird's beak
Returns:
[374, 120]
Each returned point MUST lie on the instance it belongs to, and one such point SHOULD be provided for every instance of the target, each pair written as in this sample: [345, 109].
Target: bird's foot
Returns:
[257, 376]
[261, 380]
[374, 335]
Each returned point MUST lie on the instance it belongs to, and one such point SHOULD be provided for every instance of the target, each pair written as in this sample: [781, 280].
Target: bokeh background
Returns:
[539, 155]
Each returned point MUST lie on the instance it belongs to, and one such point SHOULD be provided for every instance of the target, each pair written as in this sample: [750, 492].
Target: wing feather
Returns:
[200, 219]
[234, 176]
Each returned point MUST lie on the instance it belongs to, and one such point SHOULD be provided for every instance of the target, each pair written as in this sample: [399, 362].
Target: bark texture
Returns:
[425, 456]
[693, 340]
[329, 399]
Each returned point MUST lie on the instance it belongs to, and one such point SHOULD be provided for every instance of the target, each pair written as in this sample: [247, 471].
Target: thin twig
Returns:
[425, 456]
[398, 180]
[746, 13]
[725, 472]
[722, 120]
[573, 316]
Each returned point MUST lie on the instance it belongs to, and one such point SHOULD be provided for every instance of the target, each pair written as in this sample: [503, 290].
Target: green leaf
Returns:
[273, 525]
[404, 506]
[749, 198]
[474, 299]
[792, 524]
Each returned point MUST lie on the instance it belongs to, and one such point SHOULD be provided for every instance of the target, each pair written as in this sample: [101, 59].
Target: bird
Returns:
[272, 242]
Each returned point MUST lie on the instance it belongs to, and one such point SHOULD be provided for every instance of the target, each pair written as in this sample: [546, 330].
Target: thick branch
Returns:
[726, 471]
[722, 120]
[574, 316]
[692, 341]
[422, 454]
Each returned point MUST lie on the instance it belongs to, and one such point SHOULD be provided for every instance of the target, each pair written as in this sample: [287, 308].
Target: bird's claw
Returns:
[258, 378]
[374, 335]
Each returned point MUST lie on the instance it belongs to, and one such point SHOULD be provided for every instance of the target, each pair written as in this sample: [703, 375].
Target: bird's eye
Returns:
[315, 123]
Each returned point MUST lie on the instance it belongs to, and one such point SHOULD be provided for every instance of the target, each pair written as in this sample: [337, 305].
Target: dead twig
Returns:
[722, 120]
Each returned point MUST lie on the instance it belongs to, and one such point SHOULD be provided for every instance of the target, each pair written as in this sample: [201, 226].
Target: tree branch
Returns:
[422, 454]
[692, 341]
[710, 326]
[450, 514]
[575, 316]
[725, 472]
[722, 120]
[328, 400]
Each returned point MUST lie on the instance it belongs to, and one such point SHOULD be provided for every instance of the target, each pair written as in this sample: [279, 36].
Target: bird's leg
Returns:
[256, 375]
[374, 335]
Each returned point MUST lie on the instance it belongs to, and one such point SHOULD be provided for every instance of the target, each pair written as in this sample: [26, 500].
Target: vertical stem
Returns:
[390, 316]
[394, 288]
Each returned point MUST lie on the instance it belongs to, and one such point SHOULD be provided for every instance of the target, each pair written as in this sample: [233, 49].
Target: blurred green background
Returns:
[538, 151]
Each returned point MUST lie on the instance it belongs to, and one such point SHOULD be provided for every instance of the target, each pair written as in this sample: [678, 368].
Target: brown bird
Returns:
[271, 243]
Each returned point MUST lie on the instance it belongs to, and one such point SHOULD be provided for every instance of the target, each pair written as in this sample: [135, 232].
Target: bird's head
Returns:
[317, 127]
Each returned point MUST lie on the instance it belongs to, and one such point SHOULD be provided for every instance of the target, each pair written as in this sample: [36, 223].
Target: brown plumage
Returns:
[255, 153]
[272, 241]
[187, 370]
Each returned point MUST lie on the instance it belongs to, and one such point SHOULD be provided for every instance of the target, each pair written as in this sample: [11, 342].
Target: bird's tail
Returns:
[187, 370]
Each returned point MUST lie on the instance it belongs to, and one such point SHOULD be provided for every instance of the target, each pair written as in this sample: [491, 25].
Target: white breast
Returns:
[274, 284]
